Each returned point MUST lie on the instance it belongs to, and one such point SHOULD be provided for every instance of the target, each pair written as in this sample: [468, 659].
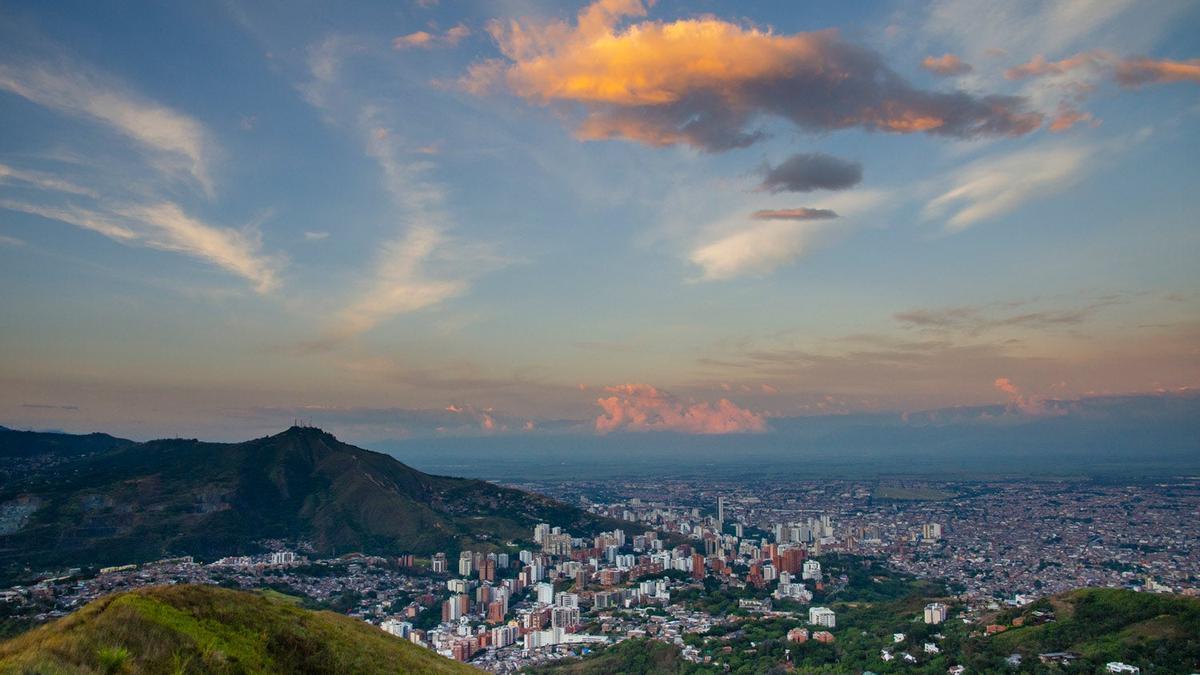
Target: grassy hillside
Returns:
[143, 501]
[1159, 633]
[205, 629]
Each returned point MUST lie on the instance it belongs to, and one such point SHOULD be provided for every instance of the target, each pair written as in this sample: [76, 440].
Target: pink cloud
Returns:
[641, 407]
[1138, 71]
[1067, 117]
[1027, 404]
[946, 64]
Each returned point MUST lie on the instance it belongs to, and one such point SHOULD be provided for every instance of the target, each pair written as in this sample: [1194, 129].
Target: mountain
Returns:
[129, 502]
[189, 629]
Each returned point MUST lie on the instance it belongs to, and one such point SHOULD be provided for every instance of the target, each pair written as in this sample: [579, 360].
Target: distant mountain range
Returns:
[97, 500]
[206, 629]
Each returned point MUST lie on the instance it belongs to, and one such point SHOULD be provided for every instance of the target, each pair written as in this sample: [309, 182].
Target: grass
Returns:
[206, 629]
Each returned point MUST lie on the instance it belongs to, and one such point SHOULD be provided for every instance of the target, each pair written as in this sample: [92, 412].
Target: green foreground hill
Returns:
[206, 629]
[122, 502]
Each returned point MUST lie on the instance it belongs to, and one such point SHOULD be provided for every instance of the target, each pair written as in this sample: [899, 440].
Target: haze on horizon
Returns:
[489, 218]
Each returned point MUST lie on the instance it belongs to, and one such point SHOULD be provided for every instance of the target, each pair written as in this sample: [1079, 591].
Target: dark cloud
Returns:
[46, 406]
[806, 172]
[802, 213]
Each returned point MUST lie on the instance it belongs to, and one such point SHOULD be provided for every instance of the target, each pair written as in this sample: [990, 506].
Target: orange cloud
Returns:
[1136, 72]
[641, 407]
[1038, 66]
[1067, 117]
[425, 40]
[946, 64]
[704, 81]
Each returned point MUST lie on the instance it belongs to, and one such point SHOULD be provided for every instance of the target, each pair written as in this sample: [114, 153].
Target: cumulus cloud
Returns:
[641, 407]
[426, 40]
[805, 172]
[179, 143]
[996, 185]
[166, 227]
[946, 65]
[1022, 403]
[802, 213]
[704, 82]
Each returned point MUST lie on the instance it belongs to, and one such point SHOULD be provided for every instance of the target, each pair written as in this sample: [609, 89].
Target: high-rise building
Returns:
[720, 511]
[697, 566]
[931, 531]
[822, 616]
[438, 562]
[812, 570]
[935, 613]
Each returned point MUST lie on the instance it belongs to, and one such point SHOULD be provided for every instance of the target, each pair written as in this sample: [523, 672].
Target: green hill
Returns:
[123, 502]
[206, 629]
[1158, 632]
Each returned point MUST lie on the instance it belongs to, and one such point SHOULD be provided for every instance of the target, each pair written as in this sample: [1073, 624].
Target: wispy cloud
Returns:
[42, 181]
[177, 142]
[165, 226]
[997, 185]
[771, 238]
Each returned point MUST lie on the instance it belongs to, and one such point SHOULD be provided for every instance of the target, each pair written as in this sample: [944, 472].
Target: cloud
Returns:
[1136, 72]
[1067, 117]
[180, 143]
[10, 241]
[1029, 405]
[641, 407]
[771, 238]
[996, 185]
[974, 321]
[315, 236]
[425, 40]
[42, 181]
[166, 227]
[801, 213]
[1128, 72]
[1038, 66]
[757, 249]
[49, 406]
[805, 172]
[704, 82]
[945, 65]
[399, 285]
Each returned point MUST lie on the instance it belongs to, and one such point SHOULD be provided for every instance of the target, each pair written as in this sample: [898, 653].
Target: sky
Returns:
[519, 217]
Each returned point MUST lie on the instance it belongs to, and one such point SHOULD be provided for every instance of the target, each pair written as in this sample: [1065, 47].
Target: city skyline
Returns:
[485, 218]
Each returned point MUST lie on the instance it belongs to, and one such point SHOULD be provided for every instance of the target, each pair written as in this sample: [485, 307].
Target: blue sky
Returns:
[481, 217]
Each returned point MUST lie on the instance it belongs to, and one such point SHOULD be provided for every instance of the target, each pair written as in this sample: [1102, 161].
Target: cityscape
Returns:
[599, 337]
[686, 541]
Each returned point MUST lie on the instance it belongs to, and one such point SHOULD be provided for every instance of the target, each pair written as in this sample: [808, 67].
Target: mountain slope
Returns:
[185, 497]
[192, 629]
